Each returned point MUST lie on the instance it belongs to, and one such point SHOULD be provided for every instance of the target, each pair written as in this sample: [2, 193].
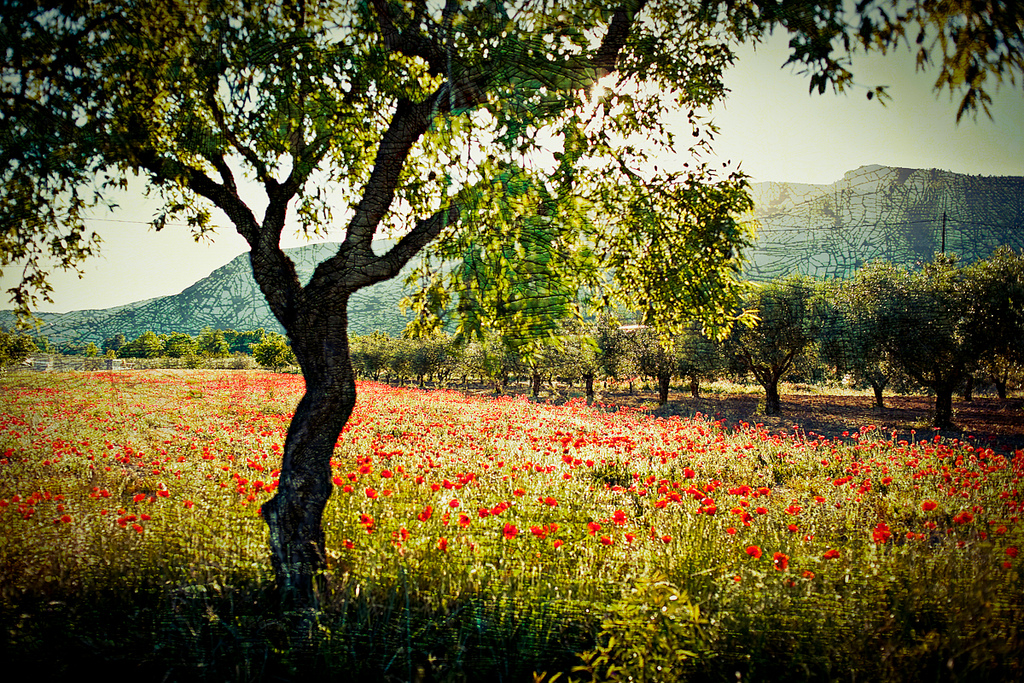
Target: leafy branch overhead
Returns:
[390, 115]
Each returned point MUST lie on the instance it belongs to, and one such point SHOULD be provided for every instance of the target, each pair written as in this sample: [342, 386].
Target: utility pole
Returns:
[943, 232]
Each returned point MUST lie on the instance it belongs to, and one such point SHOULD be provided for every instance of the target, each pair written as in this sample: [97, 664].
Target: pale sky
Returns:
[770, 124]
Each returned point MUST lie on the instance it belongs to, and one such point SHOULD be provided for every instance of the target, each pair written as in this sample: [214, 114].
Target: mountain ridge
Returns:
[826, 230]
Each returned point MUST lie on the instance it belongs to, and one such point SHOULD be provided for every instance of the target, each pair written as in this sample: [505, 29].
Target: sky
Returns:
[769, 124]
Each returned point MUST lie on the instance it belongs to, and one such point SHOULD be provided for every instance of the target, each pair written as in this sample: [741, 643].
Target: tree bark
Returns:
[879, 401]
[772, 402]
[294, 514]
[943, 406]
[663, 382]
[588, 382]
[695, 386]
[1000, 387]
[969, 388]
[536, 382]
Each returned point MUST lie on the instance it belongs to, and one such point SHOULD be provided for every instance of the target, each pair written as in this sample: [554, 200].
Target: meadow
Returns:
[496, 539]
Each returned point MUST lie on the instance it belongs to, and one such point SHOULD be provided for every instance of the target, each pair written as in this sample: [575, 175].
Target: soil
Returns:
[985, 421]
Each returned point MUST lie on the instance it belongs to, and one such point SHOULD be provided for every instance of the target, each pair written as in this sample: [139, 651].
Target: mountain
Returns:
[874, 212]
[882, 213]
[228, 298]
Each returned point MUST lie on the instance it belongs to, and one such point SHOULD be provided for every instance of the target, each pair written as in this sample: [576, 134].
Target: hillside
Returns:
[228, 298]
[879, 212]
[874, 212]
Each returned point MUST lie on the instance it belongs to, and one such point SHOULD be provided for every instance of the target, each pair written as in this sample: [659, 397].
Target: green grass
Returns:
[582, 543]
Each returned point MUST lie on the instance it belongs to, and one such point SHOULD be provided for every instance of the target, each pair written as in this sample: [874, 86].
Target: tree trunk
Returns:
[694, 386]
[663, 382]
[294, 514]
[1000, 387]
[969, 388]
[536, 380]
[772, 402]
[879, 401]
[943, 406]
[588, 381]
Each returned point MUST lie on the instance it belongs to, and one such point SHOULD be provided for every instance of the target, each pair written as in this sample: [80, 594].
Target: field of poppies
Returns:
[496, 539]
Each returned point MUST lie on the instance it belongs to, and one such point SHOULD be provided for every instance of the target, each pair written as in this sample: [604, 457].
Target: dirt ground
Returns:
[985, 421]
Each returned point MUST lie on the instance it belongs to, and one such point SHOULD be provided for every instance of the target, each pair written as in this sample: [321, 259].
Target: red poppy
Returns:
[1012, 551]
[426, 513]
[510, 531]
[881, 533]
[539, 532]
[964, 517]
[761, 511]
[731, 531]
[463, 520]
[754, 552]
[928, 505]
[606, 540]
[519, 493]
[371, 493]
[808, 574]
[442, 544]
[793, 528]
[558, 543]
[666, 539]
[453, 503]
[593, 528]
[781, 561]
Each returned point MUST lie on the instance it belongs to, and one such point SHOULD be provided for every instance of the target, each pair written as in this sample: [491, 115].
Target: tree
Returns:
[242, 342]
[113, 345]
[146, 345]
[413, 117]
[273, 352]
[14, 348]
[790, 313]
[370, 354]
[697, 357]
[850, 338]
[926, 326]
[212, 344]
[997, 313]
[179, 345]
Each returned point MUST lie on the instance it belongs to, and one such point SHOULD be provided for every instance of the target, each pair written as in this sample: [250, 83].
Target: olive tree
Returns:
[790, 312]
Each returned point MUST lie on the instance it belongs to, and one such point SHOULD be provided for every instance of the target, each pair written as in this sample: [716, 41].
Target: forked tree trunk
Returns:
[294, 514]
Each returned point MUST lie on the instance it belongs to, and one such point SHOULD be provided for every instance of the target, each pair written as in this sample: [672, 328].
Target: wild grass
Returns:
[475, 539]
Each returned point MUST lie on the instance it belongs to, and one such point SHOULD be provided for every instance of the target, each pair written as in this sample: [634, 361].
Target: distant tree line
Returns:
[942, 327]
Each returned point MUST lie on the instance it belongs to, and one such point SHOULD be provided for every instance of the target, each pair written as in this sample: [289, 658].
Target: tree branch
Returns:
[409, 42]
